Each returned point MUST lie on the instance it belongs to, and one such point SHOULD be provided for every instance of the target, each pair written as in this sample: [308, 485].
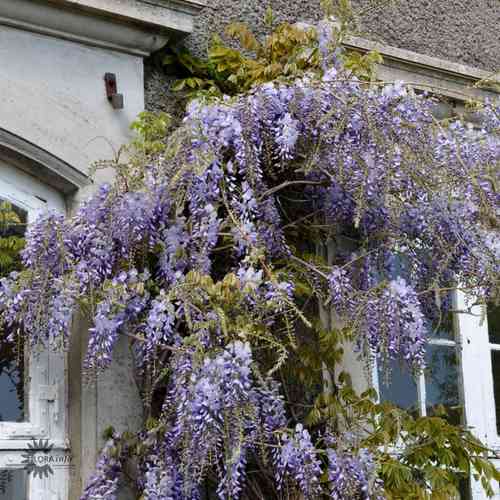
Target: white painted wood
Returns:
[46, 388]
[27, 192]
[421, 395]
[476, 368]
[478, 382]
[52, 487]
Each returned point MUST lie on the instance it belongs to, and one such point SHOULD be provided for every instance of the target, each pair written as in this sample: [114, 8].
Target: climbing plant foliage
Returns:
[290, 51]
[11, 242]
[243, 253]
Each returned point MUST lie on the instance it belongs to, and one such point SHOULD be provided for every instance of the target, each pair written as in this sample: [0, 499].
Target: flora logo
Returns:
[40, 458]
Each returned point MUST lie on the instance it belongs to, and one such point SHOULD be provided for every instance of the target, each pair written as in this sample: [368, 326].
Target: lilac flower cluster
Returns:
[89, 242]
[157, 330]
[272, 411]
[341, 292]
[353, 476]
[218, 408]
[62, 307]
[298, 460]
[214, 401]
[104, 483]
[125, 299]
[162, 484]
[330, 49]
[44, 244]
[238, 182]
[390, 320]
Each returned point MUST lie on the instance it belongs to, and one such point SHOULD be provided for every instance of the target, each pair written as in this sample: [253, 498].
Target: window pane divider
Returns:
[445, 342]
[421, 394]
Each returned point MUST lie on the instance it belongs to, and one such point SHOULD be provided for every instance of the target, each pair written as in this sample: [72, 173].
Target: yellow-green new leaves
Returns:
[151, 130]
[363, 65]
[10, 244]
[8, 216]
[287, 52]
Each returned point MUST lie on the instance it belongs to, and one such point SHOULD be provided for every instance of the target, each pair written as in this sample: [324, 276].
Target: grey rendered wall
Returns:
[52, 95]
[464, 31]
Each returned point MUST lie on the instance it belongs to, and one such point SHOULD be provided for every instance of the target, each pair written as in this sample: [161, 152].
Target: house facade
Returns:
[74, 75]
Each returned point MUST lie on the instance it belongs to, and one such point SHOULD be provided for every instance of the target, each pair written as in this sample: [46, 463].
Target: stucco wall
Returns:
[52, 94]
[465, 31]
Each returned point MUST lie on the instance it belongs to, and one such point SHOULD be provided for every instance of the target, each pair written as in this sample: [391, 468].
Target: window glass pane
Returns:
[442, 327]
[494, 323]
[397, 385]
[12, 226]
[495, 364]
[441, 382]
[11, 386]
[464, 488]
[13, 484]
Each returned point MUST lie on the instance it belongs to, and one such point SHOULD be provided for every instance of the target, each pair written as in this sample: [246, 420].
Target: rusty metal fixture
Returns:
[114, 97]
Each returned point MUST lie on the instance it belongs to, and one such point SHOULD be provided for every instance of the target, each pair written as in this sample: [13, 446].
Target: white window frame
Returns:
[456, 343]
[46, 386]
[480, 413]
[475, 382]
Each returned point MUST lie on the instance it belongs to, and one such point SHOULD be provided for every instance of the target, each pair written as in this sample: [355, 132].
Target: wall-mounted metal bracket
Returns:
[114, 97]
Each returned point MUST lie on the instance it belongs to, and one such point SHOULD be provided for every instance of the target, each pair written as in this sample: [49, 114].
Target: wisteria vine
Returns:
[200, 268]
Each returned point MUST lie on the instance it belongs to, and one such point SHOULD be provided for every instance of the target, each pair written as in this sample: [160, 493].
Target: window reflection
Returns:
[12, 227]
[495, 364]
[494, 323]
[443, 327]
[464, 489]
[397, 385]
[441, 382]
[13, 484]
[493, 312]
[11, 387]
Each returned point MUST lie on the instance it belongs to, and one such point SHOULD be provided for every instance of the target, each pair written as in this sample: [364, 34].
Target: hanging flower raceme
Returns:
[353, 476]
[298, 461]
[207, 266]
[214, 399]
[45, 244]
[157, 330]
[104, 483]
[124, 300]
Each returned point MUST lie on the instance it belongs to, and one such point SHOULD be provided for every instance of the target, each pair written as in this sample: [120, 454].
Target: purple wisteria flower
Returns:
[206, 265]
[288, 130]
[125, 299]
[104, 483]
[157, 329]
[297, 460]
[212, 397]
[353, 476]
